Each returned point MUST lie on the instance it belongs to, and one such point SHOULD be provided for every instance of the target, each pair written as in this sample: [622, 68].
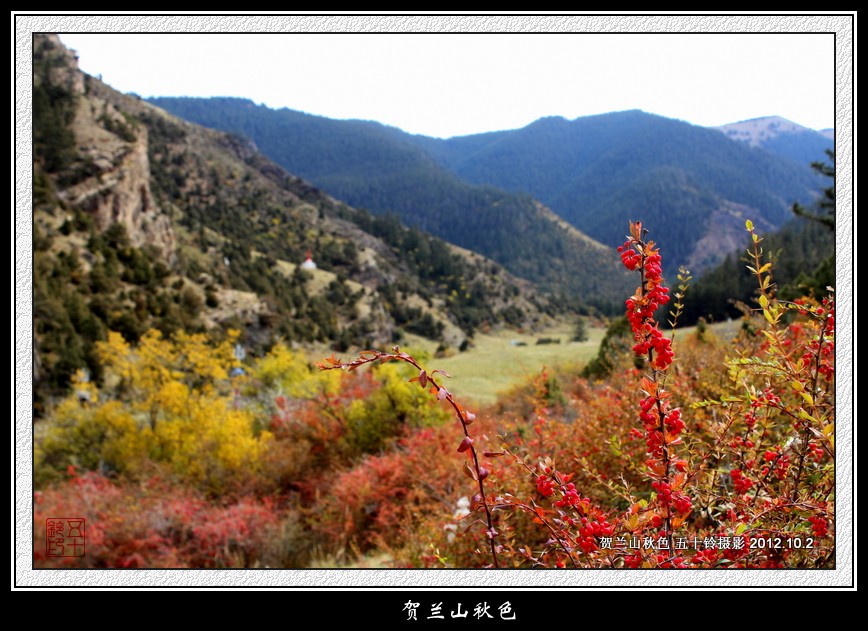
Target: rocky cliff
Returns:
[112, 181]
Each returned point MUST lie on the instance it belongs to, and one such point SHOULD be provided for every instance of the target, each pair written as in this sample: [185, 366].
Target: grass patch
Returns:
[499, 360]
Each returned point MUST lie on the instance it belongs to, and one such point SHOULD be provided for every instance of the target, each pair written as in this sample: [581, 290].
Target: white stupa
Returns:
[308, 262]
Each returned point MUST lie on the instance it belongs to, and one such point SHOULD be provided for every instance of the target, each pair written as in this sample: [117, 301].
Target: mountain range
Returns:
[695, 186]
[209, 214]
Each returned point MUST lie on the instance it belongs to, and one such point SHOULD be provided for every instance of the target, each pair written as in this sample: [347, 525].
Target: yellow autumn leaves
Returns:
[168, 403]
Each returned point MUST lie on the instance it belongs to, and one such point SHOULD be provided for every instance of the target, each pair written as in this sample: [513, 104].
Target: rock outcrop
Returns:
[113, 182]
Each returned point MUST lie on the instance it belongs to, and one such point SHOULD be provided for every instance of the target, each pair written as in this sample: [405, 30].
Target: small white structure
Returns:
[308, 262]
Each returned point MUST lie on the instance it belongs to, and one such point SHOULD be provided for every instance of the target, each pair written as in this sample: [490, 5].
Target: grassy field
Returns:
[498, 360]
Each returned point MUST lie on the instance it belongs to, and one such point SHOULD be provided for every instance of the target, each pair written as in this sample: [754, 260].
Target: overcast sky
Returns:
[455, 84]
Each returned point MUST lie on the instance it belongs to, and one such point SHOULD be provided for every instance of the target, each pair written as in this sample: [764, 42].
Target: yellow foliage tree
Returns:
[374, 422]
[90, 435]
[293, 376]
[168, 400]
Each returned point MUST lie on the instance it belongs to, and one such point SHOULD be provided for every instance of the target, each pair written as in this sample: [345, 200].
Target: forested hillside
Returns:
[595, 172]
[802, 254]
[382, 169]
[142, 221]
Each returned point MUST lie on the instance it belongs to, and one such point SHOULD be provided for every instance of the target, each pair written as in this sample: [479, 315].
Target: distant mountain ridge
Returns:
[782, 137]
[685, 181]
[692, 185]
[755, 131]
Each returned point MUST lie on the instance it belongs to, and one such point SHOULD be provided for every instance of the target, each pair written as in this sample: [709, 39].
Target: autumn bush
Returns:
[378, 503]
[158, 524]
[678, 450]
[174, 417]
[722, 459]
[167, 402]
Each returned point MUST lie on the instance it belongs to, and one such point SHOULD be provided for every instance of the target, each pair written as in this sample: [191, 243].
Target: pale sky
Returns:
[446, 85]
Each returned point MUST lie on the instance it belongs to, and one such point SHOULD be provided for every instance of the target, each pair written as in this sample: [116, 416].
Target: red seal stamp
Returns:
[65, 536]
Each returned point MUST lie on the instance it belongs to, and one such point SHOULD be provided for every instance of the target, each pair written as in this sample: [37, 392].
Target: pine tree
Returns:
[824, 274]
[825, 207]
[581, 332]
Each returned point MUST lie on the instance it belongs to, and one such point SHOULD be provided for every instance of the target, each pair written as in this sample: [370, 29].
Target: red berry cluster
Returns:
[669, 498]
[816, 451]
[649, 415]
[819, 526]
[740, 441]
[629, 256]
[766, 398]
[673, 422]
[662, 425]
[545, 485]
[633, 561]
[591, 529]
[572, 498]
[590, 521]
[649, 297]
[706, 557]
[777, 464]
[741, 482]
